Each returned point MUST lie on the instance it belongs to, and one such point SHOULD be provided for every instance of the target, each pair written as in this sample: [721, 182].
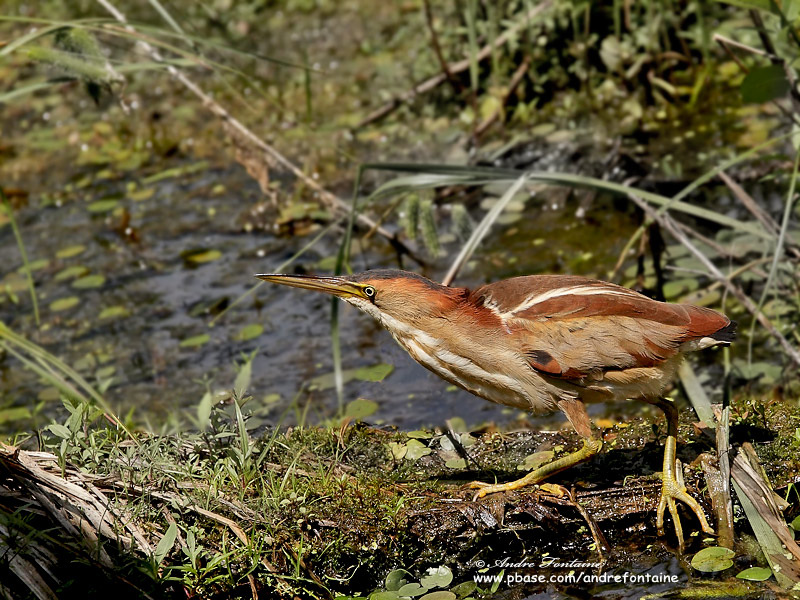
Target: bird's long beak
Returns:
[337, 286]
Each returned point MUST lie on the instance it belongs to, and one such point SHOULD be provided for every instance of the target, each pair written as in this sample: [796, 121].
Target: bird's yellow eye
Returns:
[369, 292]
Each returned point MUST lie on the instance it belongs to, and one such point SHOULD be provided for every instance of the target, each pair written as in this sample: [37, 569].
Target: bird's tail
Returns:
[725, 335]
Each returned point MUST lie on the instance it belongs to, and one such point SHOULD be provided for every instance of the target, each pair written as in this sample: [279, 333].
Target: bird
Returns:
[542, 343]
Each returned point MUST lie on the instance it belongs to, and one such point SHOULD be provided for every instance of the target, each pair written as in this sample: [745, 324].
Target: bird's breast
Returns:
[486, 370]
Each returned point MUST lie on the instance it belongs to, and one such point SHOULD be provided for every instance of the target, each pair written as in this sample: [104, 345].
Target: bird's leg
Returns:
[575, 411]
[672, 487]
[591, 446]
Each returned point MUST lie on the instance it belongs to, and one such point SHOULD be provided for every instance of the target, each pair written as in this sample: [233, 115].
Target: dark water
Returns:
[141, 250]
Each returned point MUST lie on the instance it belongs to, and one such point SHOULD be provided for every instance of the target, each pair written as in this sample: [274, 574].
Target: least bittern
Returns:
[541, 343]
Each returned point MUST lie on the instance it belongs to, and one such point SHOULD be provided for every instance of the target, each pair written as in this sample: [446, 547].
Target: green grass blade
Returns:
[342, 264]
[441, 175]
[17, 93]
[45, 372]
[483, 228]
[49, 28]
[697, 395]
[43, 357]
[111, 27]
[159, 8]
[776, 257]
[24, 254]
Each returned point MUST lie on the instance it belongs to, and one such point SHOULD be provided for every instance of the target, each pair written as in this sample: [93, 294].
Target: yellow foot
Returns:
[491, 488]
[672, 489]
[590, 448]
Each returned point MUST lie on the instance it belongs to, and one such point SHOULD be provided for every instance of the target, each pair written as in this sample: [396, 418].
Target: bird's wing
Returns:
[571, 327]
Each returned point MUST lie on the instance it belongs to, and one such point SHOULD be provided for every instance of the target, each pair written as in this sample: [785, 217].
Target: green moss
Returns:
[332, 508]
[772, 425]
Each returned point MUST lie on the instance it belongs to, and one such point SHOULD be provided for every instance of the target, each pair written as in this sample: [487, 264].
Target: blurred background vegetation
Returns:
[143, 215]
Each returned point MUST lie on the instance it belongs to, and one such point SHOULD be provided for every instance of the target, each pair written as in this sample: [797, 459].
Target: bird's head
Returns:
[384, 294]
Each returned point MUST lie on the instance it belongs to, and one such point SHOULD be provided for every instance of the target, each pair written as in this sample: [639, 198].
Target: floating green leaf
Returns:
[204, 256]
[457, 424]
[463, 590]
[419, 435]
[763, 371]
[755, 574]
[456, 463]
[326, 264]
[114, 312]
[439, 595]
[713, 559]
[35, 265]
[393, 595]
[680, 287]
[249, 332]
[103, 206]
[176, 172]
[373, 373]
[395, 580]
[89, 282]
[195, 341]
[105, 372]
[87, 362]
[143, 194]
[64, 303]
[71, 251]
[71, 273]
[440, 577]
[14, 282]
[411, 590]
[360, 408]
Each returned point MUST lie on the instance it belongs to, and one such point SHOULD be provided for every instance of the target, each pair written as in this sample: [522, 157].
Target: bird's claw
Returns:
[672, 489]
[485, 489]
[589, 449]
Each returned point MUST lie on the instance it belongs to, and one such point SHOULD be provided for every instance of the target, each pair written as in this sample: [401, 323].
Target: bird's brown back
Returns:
[571, 326]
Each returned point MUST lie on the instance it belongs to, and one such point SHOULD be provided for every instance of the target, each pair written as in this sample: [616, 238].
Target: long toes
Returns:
[679, 492]
[697, 510]
[676, 521]
[662, 506]
[671, 492]
[483, 489]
